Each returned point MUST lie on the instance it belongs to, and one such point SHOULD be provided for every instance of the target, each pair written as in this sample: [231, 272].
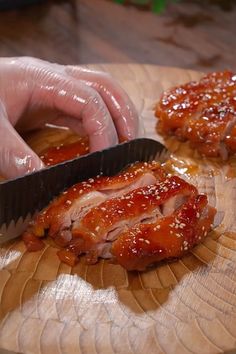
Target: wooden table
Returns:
[187, 35]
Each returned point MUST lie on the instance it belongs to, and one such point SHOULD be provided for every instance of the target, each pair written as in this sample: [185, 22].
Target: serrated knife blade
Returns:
[22, 197]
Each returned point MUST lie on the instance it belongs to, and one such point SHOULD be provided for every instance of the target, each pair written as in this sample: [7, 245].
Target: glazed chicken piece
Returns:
[168, 238]
[136, 218]
[94, 233]
[56, 220]
[203, 113]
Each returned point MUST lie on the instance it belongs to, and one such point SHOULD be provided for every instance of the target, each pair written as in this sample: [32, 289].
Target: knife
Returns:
[22, 197]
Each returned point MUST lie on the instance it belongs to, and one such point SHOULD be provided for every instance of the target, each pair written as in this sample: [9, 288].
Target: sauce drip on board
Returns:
[180, 167]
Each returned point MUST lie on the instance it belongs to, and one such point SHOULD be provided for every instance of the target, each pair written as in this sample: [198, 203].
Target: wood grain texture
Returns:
[188, 306]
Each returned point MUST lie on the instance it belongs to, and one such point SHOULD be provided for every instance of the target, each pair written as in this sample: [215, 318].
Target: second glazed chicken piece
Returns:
[204, 113]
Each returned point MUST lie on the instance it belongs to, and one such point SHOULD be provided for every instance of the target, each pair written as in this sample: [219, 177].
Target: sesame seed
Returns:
[69, 202]
[147, 241]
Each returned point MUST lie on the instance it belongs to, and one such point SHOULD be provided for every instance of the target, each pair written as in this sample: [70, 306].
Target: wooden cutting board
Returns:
[188, 306]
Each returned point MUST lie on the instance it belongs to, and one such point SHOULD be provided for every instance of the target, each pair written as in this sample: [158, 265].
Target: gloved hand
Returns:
[33, 92]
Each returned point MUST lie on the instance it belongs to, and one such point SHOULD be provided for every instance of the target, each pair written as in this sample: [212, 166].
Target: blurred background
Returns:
[198, 35]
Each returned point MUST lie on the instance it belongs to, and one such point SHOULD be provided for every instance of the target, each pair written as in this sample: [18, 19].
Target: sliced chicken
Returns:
[73, 204]
[60, 153]
[136, 218]
[203, 113]
[105, 222]
[168, 238]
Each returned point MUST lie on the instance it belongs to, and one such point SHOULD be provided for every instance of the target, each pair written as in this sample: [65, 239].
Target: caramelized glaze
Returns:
[141, 202]
[202, 112]
[169, 238]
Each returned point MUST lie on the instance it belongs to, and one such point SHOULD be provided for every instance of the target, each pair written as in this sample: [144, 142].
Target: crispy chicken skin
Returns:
[203, 113]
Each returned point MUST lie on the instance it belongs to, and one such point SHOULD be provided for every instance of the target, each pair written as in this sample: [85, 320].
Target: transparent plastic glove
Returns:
[34, 92]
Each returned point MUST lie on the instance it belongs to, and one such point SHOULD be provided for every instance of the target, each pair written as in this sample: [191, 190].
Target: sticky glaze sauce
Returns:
[63, 152]
[178, 166]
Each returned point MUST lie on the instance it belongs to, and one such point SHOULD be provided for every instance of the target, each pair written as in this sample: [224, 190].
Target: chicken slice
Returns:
[168, 238]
